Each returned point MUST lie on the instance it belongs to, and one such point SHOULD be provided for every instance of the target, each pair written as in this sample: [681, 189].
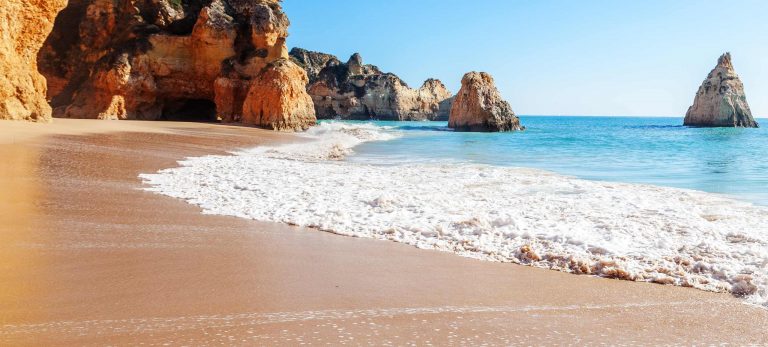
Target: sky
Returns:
[551, 57]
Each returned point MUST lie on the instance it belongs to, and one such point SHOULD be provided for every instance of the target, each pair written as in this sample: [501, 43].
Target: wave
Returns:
[327, 141]
[525, 216]
[425, 128]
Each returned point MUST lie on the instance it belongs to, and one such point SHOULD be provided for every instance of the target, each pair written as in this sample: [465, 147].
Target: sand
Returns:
[87, 258]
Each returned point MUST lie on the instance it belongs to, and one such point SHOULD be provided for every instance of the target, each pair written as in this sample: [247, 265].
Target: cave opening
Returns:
[189, 110]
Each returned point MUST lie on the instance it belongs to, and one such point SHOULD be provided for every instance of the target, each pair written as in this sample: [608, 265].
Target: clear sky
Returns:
[551, 57]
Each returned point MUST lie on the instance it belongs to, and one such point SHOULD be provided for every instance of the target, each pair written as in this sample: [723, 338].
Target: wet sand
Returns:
[87, 258]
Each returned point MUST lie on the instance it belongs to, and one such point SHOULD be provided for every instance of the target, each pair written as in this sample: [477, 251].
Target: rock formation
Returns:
[354, 90]
[278, 99]
[171, 59]
[478, 106]
[24, 25]
[720, 101]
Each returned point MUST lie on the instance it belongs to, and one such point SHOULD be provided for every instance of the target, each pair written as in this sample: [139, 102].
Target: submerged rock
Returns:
[354, 90]
[479, 107]
[720, 101]
[172, 60]
[24, 25]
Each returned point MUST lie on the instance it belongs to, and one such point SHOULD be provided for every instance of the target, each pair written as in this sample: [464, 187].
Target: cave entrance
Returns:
[189, 110]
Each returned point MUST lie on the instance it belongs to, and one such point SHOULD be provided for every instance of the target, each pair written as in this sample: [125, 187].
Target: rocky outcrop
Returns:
[354, 90]
[479, 107]
[170, 59]
[24, 25]
[720, 101]
[313, 62]
[278, 100]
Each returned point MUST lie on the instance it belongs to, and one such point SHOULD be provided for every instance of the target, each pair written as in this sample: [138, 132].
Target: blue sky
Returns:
[551, 57]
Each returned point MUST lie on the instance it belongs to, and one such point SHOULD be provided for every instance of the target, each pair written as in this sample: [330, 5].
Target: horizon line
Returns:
[608, 115]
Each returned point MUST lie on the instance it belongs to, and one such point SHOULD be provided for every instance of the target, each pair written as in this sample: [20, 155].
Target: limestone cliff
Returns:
[353, 90]
[720, 101]
[169, 59]
[278, 99]
[479, 107]
[24, 25]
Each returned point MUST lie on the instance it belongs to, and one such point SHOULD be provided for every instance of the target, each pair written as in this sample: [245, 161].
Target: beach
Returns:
[90, 258]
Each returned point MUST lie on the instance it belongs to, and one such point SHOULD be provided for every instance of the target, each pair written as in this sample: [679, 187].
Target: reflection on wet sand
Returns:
[20, 217]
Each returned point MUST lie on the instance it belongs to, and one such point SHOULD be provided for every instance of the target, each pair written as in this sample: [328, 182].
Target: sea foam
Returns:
[617, 230]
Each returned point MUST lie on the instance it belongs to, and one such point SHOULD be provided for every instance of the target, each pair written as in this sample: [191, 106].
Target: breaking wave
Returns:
[617, 230]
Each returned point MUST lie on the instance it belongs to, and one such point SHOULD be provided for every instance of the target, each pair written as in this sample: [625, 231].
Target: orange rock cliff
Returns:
[24, 25]
[479, 107]
[167, 60]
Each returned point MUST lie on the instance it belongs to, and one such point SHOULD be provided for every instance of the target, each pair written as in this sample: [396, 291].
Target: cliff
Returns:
[720, 100]
[479, 107]
[354, 90]
[169, 60]
[24, 25]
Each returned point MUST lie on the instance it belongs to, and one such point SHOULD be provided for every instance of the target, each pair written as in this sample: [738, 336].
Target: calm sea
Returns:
[650, 150]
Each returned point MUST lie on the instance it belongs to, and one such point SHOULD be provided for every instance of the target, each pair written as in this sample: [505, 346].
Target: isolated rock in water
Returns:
[720, 101]
[478, 106]
[24, 25]
[354, 90]
[278, 99]
[163, 59]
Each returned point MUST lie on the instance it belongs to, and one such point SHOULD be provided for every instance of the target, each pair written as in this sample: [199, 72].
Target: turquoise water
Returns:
[648, 150]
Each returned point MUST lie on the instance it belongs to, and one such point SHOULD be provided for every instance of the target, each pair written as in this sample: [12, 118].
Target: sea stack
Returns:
[479, 107]
[720, 101]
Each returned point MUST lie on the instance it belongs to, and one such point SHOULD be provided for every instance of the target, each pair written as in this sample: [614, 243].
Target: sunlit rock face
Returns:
[277, 98]
[24, 25]
[164, 59]
[354, 90]
[479, 107]
[720, 101]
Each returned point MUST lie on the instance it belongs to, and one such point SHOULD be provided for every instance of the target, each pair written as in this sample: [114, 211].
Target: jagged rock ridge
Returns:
[720, 101]
[479, 107]
[354, 90]
[164, 59]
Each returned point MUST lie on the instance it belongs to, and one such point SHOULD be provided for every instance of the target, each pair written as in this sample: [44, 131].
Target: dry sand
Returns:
[87, 258]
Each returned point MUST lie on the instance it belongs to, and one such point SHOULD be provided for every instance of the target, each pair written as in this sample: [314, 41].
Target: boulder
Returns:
[720, 101]
[278, 99]
[479, 107]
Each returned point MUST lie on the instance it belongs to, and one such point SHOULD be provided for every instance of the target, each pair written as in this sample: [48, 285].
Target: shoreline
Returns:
[514, 215]
[89, 253]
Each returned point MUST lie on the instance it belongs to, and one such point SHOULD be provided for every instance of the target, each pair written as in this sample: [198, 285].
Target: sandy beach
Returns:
[88, 258]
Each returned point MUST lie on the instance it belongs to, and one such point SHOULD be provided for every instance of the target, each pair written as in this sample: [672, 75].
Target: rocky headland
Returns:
[720, 100]
[24, 25]
[174, 60]
[479, 107]
[354, 90]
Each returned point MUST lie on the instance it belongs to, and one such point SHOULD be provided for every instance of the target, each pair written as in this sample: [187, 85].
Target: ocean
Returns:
[641, 199]
[649, 150]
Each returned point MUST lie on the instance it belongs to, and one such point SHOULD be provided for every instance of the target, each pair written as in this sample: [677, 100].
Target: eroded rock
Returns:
[24, 25]
[354, 90]
[479, 107]
[720, 101]
[278, 100]
[161, 60]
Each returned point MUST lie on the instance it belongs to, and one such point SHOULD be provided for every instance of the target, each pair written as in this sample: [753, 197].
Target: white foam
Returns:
[628, 231]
